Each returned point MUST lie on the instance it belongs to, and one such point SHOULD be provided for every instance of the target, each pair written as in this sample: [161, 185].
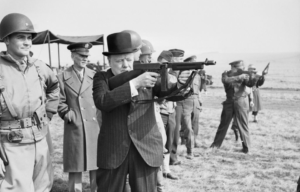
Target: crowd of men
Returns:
[126, 136]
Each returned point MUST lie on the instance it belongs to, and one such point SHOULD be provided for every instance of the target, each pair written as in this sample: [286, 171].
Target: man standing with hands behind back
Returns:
[78, 110]
[129, 140]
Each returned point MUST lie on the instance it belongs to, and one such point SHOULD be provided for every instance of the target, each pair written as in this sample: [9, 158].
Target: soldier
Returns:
[146, 52]
[77, 109]
[236, 106]
[187, 114]
[167, 112]
[177, 57]
[28, 99]
[132, 144]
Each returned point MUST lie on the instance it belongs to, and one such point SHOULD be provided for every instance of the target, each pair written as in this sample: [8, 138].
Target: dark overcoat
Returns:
[81, 134]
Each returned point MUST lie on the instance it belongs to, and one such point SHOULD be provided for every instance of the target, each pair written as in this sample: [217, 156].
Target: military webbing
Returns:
[7, 99]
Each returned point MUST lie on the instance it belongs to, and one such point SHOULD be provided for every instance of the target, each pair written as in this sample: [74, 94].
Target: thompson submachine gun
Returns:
[161, 68]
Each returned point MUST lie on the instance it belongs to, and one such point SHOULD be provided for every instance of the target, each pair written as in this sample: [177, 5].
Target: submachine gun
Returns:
[162, 69]
[253, 76]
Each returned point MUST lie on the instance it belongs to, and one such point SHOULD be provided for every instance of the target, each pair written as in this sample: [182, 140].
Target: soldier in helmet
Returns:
[28, 99]
[146, 52]
[132, 144]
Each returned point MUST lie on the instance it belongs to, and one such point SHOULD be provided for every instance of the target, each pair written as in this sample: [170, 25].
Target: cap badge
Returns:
[86, 46]
[26, 24]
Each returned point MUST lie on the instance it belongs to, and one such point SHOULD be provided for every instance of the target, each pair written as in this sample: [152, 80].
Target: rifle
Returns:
[161, 68]
[266, 70]
[253, 76]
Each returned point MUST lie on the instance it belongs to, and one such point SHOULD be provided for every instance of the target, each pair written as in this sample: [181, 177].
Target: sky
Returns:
[196, 26]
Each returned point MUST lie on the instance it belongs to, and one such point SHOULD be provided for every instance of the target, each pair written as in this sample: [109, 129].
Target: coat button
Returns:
[94, 118]
[82, 108]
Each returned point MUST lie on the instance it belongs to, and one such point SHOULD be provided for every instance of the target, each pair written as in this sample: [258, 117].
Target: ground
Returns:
[272, 166]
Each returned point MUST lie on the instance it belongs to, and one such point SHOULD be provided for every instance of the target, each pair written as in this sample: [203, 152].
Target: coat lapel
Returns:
[87, 80]
[72, 80]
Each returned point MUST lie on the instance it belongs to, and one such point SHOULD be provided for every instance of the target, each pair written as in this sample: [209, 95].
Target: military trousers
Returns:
[237, 109]
[169, 123]
[30, 167]
[187, 119]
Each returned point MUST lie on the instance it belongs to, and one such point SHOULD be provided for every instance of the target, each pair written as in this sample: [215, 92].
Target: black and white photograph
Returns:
[149, 96]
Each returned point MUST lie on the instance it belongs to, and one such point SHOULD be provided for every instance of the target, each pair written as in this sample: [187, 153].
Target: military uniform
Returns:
[24, 93]
[28, 99]
[81, 128]
[187, 113]
[235, 106]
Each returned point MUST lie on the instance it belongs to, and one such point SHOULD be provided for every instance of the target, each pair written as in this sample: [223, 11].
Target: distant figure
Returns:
[77, 109]
[256, 95]
[235, 107]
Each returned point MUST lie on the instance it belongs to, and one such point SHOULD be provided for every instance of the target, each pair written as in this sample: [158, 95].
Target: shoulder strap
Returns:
[42, 82]
[6, 97]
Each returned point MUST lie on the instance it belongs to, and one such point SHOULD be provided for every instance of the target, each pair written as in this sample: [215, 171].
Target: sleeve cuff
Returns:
[133, 90]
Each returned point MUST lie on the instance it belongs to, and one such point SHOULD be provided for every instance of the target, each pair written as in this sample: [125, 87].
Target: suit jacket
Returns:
[126, 123]
[81, 134]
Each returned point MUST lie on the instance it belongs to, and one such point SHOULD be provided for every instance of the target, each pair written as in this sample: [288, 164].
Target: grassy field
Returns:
[272, 166]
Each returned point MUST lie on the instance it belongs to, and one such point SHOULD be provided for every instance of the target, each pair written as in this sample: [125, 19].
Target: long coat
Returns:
[81, 134]
[126, 123]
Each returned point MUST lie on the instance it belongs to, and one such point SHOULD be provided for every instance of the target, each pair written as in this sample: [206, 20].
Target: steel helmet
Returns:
[16, 22]
[147, 47]
[136, 39]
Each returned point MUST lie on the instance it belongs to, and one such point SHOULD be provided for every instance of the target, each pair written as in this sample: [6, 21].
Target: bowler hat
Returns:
[120, 43]
[135, 38]
[80, 48]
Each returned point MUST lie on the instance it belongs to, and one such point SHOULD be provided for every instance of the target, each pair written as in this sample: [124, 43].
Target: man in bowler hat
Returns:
[235, 106]
[129, 141]
[77, 109]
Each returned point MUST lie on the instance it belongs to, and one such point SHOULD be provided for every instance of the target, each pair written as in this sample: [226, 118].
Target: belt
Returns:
[18, 124]
[25, 135]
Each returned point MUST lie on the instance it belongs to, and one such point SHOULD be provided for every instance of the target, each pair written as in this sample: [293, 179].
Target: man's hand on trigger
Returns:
[183, 76]
[147, 79]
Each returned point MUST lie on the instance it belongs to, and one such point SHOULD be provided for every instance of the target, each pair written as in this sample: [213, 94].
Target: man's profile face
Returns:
[145, 58]
[177, 59]
[121, 63]
[19, 44]
[80, 61]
